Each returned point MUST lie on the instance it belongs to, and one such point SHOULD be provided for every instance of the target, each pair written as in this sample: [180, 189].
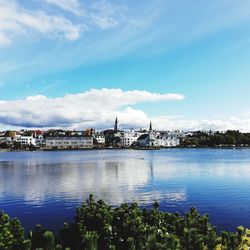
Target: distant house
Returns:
[128, 138]
[26, 140]
[167, 139]
[158, 139]
[40, 140]
[100, 138]
[68, 142]
[6, 139]
[147, 140]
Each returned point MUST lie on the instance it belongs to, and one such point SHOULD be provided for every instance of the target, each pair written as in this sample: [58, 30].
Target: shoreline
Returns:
[117, 148]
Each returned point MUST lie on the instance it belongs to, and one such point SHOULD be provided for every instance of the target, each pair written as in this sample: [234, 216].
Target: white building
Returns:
[147, 140]
[100, 138]
[128, 138]
[6, 139]
[26, 140]
[40, 141]
[167, 139]
[158, 139]
[67, 142]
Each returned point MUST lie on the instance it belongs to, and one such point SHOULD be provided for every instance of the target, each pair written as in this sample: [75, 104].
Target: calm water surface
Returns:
[46, 187]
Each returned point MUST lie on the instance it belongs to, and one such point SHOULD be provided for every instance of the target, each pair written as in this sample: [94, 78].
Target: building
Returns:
[167, 139]
[5, 139]
[26, 140]
[100, 138]
[40, 141]
[128, 138]
[68, 142]
[147, 140]
[158, 139]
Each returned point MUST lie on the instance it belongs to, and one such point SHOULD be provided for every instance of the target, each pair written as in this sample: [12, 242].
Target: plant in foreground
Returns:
[99, 226]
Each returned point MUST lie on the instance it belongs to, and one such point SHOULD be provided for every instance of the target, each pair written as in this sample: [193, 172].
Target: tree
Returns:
[230, 140]
[99, 226]
[12, 234]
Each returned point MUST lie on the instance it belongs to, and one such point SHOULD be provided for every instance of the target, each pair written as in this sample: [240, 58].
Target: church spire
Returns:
[150, 126]
[116, 125]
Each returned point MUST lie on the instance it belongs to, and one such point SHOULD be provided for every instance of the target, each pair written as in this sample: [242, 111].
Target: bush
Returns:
[12, 234]
[99, 226]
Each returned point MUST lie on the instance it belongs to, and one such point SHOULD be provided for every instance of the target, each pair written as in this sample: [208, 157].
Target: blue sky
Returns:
[199, 50]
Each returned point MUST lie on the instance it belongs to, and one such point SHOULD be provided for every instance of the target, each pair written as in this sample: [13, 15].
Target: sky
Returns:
[75, 64]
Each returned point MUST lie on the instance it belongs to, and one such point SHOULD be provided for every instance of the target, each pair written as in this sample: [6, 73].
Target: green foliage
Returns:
[43, 239]
[12, 234]
[99, 226]
[209, 139]
[49, 240]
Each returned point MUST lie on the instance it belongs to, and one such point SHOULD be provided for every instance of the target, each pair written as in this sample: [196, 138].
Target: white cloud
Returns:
[98, 108]
[91, 108]
[180, 123]
[105, 15]
[4, 40]
[72, 6]
[16, 20]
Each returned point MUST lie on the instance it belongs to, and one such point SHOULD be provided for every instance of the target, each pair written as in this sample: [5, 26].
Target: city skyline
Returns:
[78, 64]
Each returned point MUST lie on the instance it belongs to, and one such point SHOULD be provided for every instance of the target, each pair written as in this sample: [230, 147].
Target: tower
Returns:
[150, 127]
[116, 125]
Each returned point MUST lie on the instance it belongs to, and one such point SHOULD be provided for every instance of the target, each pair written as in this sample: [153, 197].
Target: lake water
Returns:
[46, 187]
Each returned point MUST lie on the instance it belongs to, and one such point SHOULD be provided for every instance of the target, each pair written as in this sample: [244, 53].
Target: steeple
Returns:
[116, 125]
[150, 127]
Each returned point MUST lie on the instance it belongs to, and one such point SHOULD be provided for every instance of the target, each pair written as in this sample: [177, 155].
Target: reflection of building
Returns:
[68, 142]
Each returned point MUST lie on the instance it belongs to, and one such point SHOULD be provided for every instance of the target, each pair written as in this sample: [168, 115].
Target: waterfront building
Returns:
[128, 138]
[167, 139]
[68, 142]
[40, 140]
[100, 138]
[26, 140]
[147, 139]
[158, 139]
[5, 139]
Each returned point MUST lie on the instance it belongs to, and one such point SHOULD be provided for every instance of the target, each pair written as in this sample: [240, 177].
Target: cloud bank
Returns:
[181, 123]
[92, 108]
[99, 107]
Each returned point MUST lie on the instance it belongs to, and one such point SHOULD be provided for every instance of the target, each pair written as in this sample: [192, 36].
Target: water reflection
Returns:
[116, 182]
[49, 185]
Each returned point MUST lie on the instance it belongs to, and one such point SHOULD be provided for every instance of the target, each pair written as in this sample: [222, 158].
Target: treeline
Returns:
[99, 226]
[215, 139]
